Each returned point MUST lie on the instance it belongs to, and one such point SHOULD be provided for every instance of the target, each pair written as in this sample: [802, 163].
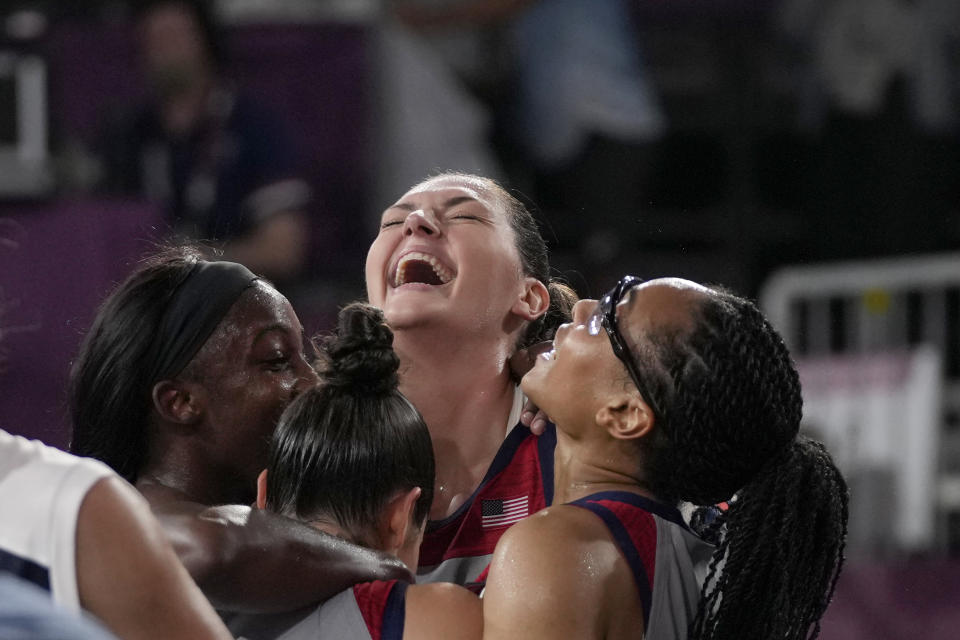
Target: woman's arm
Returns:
[253, 561]
[129, 577]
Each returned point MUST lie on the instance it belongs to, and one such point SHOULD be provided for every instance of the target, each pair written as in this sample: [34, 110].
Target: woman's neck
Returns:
[590, 465]
[190, 488]
[180, 466]
[465, 394]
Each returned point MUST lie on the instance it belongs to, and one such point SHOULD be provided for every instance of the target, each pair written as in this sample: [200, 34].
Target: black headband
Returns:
[196, 308]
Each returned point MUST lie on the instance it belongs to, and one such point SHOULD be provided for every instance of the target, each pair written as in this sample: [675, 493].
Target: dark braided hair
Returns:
[731, 404]
[344, 448]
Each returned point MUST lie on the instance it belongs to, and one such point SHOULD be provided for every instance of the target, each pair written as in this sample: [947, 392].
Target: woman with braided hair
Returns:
[666, 391]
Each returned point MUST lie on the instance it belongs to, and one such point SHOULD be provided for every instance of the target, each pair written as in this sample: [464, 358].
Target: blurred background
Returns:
[803, 152]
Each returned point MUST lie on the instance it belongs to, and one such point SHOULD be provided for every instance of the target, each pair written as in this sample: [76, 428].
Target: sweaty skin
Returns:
[129, 577]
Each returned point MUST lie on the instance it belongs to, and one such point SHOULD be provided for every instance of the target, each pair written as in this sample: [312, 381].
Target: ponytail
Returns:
[732, 406]
[776, 567]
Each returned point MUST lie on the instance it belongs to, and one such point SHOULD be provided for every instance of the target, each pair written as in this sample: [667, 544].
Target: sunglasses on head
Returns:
[605, 315]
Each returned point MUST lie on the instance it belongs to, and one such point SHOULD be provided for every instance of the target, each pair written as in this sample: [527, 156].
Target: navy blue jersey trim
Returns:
[395, 612]
[627, 548]
[665, 511]
[501, 461]
[25, 569]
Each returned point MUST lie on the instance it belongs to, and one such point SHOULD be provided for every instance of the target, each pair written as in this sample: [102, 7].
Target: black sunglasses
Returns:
[605, 315]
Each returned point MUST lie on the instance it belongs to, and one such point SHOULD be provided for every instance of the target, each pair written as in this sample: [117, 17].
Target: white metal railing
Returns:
[876, 300]
[840, 313]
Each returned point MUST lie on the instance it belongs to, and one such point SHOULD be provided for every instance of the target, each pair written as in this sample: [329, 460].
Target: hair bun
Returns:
[360, 356]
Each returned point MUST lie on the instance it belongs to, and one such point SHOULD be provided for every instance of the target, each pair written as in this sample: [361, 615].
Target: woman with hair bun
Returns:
[461, 273]
[665, 391]
[352, 457]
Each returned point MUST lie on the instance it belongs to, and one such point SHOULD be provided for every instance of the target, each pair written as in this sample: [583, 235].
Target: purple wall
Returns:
[893, 601]
[71, 252]
[315, 77]
[63, 260]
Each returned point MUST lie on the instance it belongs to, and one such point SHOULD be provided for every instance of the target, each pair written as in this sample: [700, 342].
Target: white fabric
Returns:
[681, 567]
[339, 617]
[41, 490]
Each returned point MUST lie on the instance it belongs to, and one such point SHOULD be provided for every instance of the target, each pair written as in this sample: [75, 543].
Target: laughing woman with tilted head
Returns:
[461, 273]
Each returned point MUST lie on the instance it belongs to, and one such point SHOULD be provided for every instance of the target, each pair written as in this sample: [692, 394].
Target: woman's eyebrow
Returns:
[282, 328]
[452, 202]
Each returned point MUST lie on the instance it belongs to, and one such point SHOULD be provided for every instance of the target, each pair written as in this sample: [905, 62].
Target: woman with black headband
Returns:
[178, 386]
[666, 391]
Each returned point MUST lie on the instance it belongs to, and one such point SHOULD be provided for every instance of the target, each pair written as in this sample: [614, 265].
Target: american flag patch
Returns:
[503, 512]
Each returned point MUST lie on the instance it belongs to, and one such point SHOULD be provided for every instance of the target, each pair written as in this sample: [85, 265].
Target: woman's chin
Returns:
[531, 384]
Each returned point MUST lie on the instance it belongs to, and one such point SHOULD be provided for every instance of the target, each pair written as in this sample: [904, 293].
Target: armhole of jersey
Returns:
[477, 586]
[382, 605]
[395, 612]
[627, 548]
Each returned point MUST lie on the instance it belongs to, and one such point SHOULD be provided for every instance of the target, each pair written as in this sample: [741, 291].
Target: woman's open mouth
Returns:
[421, 268]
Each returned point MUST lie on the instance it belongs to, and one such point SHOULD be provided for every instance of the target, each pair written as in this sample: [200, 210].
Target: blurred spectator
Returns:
[882, 88]
[426, 119]
[576, 113]
[221, 165]
[586, 119]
